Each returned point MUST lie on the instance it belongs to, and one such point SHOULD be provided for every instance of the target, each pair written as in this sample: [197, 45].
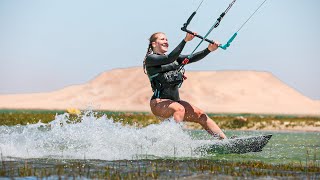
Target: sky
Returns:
[48, 45]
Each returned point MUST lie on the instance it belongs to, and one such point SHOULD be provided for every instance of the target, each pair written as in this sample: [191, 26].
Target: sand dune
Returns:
[213, 91]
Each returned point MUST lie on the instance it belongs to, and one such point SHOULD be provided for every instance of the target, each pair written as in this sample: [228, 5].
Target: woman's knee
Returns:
[179, 112]
[180, 109]
[167, 108]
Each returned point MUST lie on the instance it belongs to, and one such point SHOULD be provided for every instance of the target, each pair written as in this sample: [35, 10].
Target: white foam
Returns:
[95, 138]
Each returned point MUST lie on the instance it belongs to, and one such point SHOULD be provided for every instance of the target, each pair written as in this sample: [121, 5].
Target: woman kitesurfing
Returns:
[166, 74]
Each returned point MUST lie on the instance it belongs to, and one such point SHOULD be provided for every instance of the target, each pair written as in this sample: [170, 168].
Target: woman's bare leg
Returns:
[166, 108]
[184, 111]
[194, 114]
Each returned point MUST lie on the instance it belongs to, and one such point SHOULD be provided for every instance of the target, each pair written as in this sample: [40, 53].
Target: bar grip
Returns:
[188, 31]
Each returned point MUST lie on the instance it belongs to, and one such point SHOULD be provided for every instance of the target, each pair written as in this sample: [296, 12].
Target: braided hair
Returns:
[152, 38]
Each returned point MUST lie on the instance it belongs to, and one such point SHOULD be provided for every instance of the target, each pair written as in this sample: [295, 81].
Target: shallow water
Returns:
[102, 138]
[102, 141]
[283, 147]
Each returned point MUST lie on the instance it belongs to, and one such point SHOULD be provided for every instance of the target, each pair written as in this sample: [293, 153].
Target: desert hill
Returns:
[213, 91]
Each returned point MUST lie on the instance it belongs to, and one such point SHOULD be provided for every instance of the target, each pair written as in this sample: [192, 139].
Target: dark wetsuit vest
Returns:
[163, 72]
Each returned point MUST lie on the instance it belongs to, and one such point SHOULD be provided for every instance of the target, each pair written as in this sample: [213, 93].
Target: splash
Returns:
[96, 138]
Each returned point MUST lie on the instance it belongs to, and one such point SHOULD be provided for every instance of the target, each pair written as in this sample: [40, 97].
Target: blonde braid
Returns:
[149, 51]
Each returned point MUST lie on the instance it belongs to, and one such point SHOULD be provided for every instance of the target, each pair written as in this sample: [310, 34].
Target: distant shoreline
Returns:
[147, 112]
[240, 121]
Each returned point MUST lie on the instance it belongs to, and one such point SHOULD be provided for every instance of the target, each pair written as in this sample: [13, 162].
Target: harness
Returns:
[162, 80]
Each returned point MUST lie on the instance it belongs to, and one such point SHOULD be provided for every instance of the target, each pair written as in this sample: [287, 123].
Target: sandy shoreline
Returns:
[249, 122]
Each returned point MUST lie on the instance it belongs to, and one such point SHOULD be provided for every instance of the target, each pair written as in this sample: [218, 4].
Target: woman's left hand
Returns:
[189, 36]
[214, 46]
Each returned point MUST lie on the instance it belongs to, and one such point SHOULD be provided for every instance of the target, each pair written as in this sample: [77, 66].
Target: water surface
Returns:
[98, 142]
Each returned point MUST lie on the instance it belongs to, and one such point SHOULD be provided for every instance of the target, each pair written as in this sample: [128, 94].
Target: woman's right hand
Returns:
[189, 36]
[214, 46]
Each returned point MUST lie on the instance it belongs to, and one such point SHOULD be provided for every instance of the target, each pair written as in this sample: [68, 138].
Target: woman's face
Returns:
[161, 45]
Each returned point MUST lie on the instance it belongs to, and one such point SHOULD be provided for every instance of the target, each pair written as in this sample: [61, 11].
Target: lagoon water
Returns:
[99, 148]
[100, 138]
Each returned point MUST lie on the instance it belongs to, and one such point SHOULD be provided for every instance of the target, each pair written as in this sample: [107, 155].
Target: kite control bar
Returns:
[188, 31]
[215, 25]
[225, 46]
[204, 38]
